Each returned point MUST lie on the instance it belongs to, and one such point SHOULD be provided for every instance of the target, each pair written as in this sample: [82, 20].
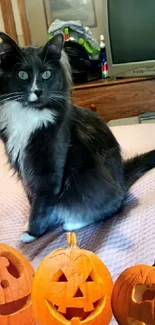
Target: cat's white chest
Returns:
[20, 123]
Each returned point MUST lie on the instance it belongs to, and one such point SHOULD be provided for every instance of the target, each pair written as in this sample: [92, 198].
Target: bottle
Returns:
[104, 64]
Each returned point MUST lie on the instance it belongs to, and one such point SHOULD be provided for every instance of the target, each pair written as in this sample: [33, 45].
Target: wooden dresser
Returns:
[114, 99]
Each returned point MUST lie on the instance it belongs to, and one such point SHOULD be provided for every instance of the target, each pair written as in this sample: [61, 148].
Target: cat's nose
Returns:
[38, 92]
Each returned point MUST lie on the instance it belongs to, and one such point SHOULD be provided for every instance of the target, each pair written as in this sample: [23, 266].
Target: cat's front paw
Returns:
[27, 238]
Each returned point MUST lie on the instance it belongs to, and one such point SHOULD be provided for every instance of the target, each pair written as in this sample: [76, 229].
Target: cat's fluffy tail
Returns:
[136, 167]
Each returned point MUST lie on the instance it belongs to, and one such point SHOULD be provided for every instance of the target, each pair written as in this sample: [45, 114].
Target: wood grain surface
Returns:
[8, 18]
[117, 99]
[24, 22]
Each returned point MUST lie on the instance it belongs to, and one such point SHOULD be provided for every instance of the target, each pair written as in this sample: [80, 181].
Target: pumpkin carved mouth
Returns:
[14, 306]
[73, 312]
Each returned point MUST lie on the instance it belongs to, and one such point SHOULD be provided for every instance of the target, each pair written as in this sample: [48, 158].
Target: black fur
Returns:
[71, 169]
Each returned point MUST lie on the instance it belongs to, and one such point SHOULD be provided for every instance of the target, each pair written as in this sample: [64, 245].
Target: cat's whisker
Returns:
[58, 102]
[11, 94]
[64, 96]
[8, 99]
[15, 98]
[59, 97]
[57, 93]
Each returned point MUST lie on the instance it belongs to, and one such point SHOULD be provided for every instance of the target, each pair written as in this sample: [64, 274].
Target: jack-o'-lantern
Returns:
[133, 298]
[16, 276]
[73, 287]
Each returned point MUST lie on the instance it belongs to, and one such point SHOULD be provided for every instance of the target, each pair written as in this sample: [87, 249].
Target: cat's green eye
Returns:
[23, 75]
[46, 75]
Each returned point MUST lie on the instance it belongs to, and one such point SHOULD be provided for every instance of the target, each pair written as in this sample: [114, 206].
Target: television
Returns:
[129, 31]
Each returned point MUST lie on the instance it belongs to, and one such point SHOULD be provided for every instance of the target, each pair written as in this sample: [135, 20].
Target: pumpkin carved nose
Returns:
[78, 293]
[4, 284]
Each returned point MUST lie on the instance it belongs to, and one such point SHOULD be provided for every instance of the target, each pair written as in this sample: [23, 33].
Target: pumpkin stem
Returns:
[72, 241]
[153, 263]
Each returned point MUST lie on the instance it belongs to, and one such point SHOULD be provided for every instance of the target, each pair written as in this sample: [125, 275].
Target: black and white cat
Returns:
[67, 158]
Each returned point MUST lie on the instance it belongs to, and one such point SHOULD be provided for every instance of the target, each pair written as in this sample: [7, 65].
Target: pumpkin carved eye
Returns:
[62, 278]
[10, 268]
[13, 270]
[142, 293]
[89, 279]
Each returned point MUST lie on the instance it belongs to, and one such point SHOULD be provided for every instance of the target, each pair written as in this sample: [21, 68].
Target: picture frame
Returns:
[83, 10]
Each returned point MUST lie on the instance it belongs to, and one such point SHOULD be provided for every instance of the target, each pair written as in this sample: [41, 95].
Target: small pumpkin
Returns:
[71, 287]
[133, 298]
[16, 276]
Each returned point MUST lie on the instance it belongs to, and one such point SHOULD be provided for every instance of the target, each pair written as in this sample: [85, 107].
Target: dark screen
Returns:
[132, 30]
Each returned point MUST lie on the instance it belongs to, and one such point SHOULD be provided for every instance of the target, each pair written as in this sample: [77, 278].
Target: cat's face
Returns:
[37, 75]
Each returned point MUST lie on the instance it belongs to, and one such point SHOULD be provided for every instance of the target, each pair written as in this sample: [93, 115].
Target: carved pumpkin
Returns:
[72, 286]
[16, 276]
[133, 298]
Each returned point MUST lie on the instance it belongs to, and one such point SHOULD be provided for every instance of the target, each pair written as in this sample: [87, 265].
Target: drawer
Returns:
[89, 98]
[118, 100]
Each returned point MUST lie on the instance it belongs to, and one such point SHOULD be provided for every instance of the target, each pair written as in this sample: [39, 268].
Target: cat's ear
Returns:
[53, 48]
[10, 52]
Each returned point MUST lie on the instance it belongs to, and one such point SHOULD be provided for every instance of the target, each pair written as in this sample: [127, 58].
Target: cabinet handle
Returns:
[92, 107]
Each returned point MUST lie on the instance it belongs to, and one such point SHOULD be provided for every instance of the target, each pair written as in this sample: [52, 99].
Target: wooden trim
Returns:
[110, 82]
[24, 22]
[48, 13]
[8, 18]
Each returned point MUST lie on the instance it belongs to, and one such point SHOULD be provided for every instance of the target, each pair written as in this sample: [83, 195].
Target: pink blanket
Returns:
[126, 239]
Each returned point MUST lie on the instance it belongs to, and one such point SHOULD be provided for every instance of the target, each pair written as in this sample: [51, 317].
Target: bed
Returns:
[126, 239]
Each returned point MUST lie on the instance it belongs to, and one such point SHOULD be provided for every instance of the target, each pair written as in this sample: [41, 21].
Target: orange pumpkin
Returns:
[71, 287]
[16, 276]
[133, 298]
